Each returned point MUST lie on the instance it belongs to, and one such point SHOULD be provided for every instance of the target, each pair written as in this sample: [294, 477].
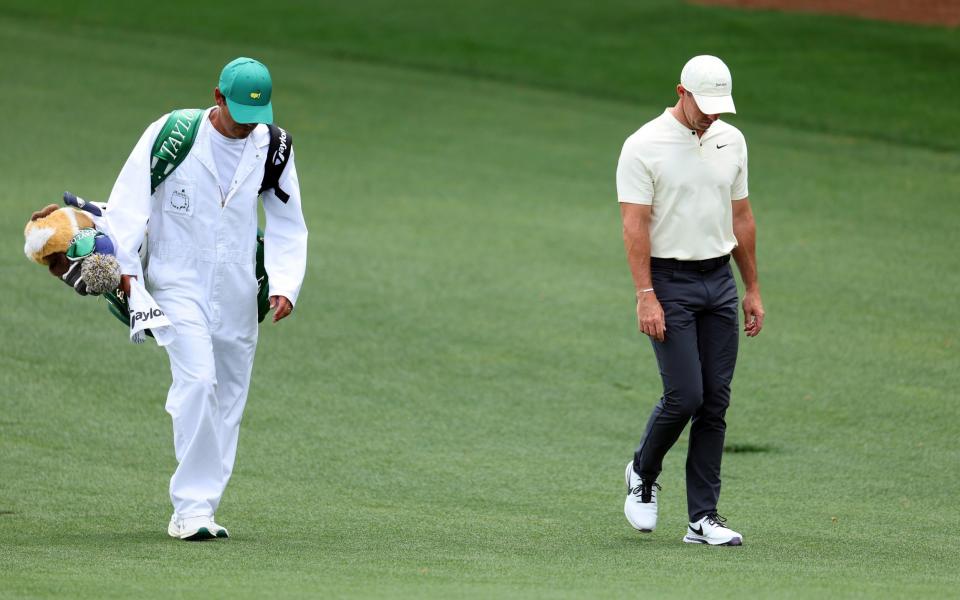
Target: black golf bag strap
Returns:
[278, 153]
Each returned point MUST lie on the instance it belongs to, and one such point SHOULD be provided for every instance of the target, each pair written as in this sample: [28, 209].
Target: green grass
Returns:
[829, 74]
[449, 411]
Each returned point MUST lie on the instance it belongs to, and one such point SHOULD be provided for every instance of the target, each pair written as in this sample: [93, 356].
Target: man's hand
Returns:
[281, 307]
[752, 313]
[125, 284]
[650, 317]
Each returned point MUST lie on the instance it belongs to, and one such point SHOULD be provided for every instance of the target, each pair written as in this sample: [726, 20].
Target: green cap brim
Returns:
[243, 113]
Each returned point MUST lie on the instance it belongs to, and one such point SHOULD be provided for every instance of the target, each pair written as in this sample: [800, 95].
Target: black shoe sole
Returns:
[734, 542]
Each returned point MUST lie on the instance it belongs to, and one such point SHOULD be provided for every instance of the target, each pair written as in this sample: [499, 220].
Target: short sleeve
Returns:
[634, 181]
[739, 191]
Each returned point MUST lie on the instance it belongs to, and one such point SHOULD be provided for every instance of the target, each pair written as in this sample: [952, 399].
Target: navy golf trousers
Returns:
[696, 360]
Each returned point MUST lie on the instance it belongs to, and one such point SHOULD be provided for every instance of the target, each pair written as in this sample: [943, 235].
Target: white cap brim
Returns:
[714, 105]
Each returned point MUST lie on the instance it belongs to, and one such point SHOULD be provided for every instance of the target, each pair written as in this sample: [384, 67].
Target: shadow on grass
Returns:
[666, 545]
[132, 538]
[635, 539]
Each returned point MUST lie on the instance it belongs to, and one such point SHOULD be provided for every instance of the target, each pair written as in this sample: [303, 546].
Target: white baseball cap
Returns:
[709, 80]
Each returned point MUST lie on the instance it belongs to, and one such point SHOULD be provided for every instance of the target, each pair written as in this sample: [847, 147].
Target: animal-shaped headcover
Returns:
[50, 232]
[67, 241]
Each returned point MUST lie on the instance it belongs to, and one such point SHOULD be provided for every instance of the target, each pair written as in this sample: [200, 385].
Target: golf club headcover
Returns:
[51, 232]
[74, 278]
[101, 273]
[93, 267]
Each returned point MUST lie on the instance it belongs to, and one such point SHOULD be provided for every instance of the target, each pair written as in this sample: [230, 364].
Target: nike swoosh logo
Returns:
[723, 146]
[698, 530]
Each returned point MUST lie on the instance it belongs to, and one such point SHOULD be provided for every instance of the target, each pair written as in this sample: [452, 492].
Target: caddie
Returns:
[195, 176]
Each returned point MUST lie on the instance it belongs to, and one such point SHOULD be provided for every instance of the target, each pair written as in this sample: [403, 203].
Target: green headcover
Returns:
[82, 244]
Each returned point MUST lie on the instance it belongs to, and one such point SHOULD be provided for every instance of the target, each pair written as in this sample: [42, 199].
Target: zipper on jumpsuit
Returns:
[218, 266]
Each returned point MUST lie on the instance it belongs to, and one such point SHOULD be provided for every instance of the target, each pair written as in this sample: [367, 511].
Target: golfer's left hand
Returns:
[281, 307]
[752, 313]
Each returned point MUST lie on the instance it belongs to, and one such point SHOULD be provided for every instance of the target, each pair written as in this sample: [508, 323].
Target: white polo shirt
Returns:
[689, 181]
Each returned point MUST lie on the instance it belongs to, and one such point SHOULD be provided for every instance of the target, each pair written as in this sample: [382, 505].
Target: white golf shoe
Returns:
[640, 507]
[711, 530]
[219, 530]
[195, 529]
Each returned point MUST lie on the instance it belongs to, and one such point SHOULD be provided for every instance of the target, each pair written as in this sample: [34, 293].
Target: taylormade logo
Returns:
[144, 316]
[171, 146]
[278, 157]
[86, 232]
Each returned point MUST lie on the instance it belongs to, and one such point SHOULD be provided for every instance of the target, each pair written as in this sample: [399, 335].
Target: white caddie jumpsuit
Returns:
[202, 253]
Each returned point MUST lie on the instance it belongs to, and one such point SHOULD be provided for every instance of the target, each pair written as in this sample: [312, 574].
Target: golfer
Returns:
[682, 186]
[202, 251]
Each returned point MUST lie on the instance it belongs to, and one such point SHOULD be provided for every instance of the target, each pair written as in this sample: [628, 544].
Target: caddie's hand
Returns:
[73, 278]
[752, 313]
[125, 284]
[281, 307]
[650, 317]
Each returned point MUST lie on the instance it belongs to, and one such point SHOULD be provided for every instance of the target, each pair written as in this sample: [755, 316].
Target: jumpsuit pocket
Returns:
[179, 197]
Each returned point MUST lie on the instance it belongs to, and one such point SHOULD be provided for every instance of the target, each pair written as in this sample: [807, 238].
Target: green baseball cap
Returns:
[247, 86]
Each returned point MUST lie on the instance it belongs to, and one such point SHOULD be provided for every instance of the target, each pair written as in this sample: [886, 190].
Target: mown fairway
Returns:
[449, 411]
